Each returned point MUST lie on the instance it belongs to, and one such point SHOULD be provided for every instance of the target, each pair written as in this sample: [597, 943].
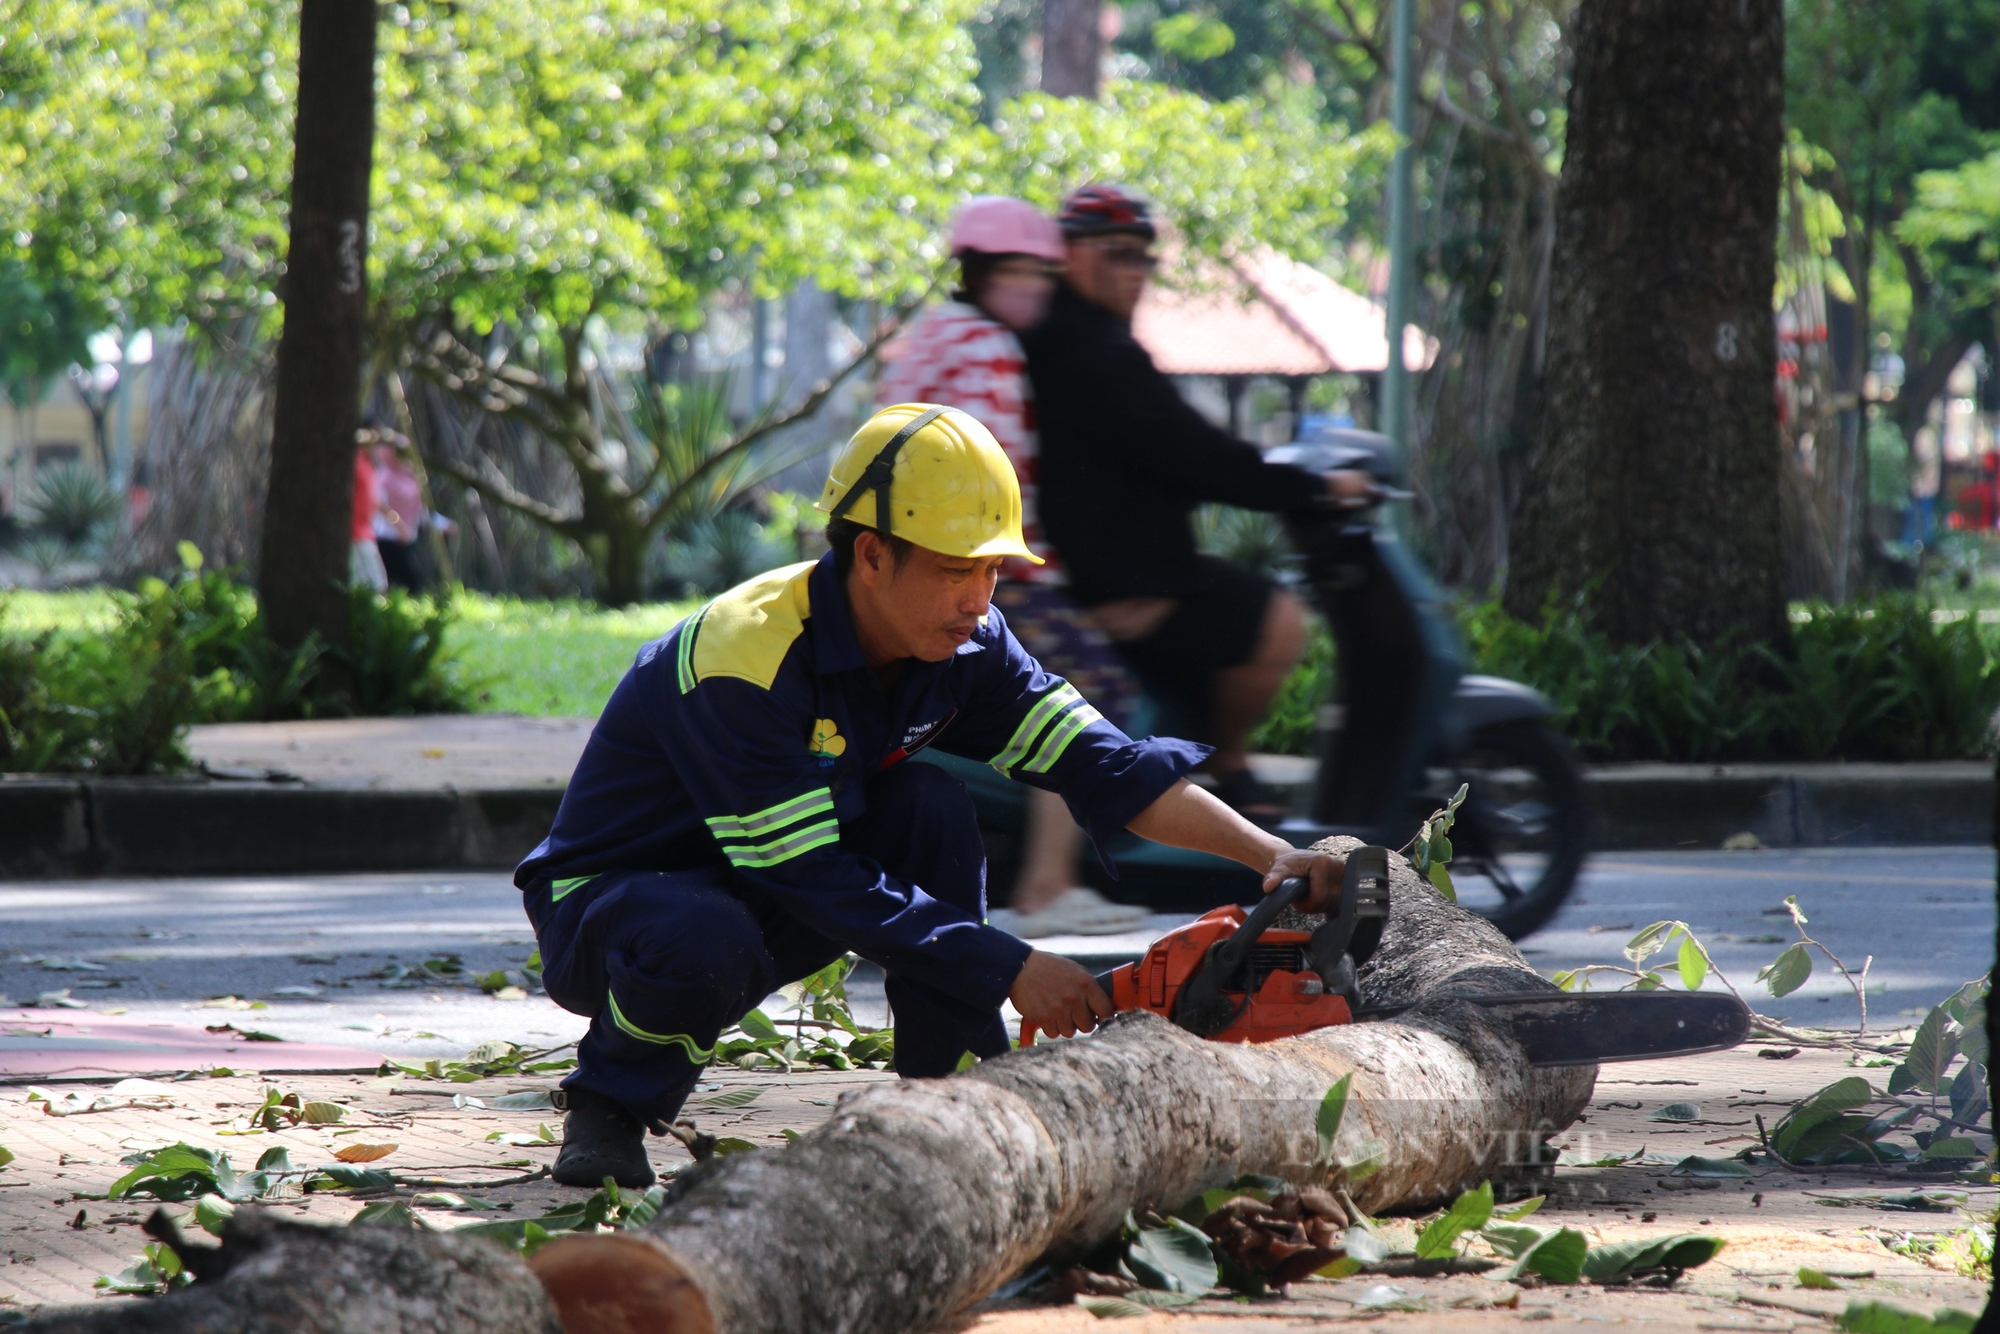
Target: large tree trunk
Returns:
[303, 565]
[917, 1199]
[1654, 491]
[1072, 47]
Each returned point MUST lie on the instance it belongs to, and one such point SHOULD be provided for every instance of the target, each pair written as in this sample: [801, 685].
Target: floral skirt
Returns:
[1058, 634]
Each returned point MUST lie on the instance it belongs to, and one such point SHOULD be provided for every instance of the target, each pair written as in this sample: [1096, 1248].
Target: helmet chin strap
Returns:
[876, 476]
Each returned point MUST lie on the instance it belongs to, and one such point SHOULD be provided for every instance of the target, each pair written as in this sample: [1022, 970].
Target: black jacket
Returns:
[1125, 460]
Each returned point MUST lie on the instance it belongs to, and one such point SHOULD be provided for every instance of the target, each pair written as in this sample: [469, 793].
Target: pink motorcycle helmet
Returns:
[995, 225]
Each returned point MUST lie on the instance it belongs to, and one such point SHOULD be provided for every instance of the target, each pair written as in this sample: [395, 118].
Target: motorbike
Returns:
[1406, 727]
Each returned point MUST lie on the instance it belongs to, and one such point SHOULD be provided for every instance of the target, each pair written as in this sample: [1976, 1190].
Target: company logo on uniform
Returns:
[827, 742]
[920, 733]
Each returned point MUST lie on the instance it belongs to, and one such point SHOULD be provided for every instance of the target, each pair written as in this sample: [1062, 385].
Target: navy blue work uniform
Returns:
[743, 815]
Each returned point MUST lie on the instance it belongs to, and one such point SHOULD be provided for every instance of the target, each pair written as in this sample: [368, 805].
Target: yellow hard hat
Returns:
[949, 485]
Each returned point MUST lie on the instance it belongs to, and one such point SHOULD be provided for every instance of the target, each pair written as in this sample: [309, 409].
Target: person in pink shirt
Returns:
[402, 516]
[365, 561]
[964, 354]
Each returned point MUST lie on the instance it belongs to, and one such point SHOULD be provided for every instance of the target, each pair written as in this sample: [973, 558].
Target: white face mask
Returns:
[1019, 306]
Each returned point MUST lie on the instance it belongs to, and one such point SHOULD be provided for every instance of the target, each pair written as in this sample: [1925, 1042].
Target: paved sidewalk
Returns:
[56, 1238]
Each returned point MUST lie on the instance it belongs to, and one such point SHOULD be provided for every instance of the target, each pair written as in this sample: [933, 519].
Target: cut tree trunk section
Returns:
[917, 1199]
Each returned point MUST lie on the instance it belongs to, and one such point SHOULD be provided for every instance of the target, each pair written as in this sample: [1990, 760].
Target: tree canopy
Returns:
[581, 157]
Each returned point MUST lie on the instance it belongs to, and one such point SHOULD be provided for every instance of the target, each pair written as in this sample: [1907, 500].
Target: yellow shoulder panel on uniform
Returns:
[747, 631]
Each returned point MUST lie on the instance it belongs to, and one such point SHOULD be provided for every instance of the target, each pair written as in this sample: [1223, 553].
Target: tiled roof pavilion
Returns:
[1265, 314]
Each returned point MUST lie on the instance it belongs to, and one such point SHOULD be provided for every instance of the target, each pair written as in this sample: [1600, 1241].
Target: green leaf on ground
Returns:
[1174, 1258]
[1930, 1053]
[1796, 1133]
[384, 1213]
[346, 1176]
[733, 1145]
[1521, 1210]
[1468, 1213]
[1727, 1168]
[736, 1097]
[1112, 1308]
[1364, 1246]
[1676, 1111]
[1881, 1318]
[1621, 1262]
[530, 1101]
[1949, 1148]
[6, 1155]
[211, 1212]
[1813, 1278]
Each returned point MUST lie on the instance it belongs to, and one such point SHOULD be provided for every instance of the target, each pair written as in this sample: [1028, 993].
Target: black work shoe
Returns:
[601, 1139]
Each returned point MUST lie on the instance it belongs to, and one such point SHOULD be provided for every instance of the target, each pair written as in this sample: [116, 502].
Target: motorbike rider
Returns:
[1124, 463]
[964, 353]
[744, 813]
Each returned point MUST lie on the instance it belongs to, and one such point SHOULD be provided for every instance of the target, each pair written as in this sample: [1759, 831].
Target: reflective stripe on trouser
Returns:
[664, 962]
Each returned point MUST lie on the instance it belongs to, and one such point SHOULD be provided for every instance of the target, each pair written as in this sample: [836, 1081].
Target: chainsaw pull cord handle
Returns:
[1103, 979]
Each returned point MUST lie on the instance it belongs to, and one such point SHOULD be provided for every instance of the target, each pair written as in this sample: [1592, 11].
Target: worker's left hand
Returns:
[1323, 869]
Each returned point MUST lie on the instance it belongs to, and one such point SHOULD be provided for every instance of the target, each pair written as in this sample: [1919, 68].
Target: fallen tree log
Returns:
[917, 1199]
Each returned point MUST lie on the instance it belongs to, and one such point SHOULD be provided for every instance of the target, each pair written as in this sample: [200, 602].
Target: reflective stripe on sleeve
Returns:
[1039, 717]
[1059, 737]
[776, 834]
[783, 850]
[772, 818]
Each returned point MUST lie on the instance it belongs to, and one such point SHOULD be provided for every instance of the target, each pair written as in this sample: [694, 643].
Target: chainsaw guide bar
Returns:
[1229, 977]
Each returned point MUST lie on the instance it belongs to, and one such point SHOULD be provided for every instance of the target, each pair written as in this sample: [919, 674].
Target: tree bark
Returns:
[303, 566]
[1072, 48]
[917, 1199]
[282, 1277]
[1654, 491]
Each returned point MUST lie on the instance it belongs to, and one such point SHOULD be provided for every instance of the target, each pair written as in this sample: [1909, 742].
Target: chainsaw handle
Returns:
[1103, 979]
[1237, 948]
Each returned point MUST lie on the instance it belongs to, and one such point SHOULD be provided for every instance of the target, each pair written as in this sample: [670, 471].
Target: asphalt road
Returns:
[311, 952]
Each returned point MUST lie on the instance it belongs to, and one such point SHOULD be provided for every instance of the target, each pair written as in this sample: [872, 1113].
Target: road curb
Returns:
[56, 827]
[1654, 806]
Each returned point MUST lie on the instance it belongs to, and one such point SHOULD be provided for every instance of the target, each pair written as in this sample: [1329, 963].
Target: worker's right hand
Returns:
[1058, 996]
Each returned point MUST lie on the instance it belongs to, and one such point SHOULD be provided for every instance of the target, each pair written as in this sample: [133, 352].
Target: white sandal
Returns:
[1079, 912]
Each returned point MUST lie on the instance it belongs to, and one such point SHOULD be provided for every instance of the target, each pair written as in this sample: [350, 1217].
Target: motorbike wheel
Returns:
[1523, 832]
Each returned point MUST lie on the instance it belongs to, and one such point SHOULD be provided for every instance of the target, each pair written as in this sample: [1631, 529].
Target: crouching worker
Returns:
[744, 812]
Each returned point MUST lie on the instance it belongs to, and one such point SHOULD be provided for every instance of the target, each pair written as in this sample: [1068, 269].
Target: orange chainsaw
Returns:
[1227, 976]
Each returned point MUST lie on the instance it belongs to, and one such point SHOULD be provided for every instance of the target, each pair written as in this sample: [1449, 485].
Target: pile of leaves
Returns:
[1263, 1233]
[823, 1032]
[493, 1059]
[1938, 1110]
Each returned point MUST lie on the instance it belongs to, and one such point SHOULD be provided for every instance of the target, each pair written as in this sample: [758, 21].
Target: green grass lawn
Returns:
[547, 658]
[552, 658]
